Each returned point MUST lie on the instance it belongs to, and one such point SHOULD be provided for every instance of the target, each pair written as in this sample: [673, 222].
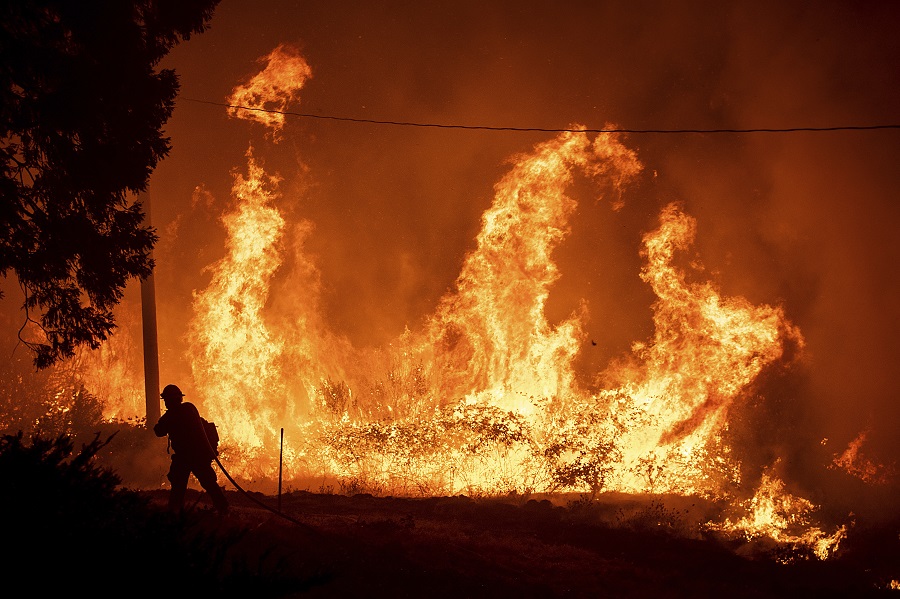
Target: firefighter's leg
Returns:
[179, 472]
[207, 477]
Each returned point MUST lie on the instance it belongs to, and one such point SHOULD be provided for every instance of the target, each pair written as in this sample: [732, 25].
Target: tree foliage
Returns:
[82, 106]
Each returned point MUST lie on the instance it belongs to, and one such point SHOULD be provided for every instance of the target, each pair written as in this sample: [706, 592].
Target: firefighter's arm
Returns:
[161, 429]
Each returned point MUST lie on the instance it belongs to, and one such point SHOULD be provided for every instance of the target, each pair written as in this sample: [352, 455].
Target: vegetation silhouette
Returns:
[82, 106]
[70, 526]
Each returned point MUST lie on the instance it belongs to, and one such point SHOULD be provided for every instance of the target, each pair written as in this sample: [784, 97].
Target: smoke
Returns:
[809, 219]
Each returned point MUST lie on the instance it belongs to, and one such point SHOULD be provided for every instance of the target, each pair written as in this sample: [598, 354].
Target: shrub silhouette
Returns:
[68, 526]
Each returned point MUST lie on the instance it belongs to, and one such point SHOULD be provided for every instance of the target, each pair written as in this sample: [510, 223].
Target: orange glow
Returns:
[112, 373]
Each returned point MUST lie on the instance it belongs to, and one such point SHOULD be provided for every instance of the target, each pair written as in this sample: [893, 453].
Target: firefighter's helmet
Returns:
[171, 392]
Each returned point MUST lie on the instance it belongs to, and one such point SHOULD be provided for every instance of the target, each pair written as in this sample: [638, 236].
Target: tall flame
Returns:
[705, 353]
[491, 336]
[234, 350]
[706, 349]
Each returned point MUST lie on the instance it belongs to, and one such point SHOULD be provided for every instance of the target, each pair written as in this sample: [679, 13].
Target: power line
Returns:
[544, 129]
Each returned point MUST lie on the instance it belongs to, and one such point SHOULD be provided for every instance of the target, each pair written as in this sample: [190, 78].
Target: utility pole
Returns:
[151, 345]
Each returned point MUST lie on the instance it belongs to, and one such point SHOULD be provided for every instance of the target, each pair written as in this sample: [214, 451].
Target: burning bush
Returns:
[459, 448]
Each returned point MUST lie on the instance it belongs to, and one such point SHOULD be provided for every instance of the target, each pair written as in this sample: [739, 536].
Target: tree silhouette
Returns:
[82, 106]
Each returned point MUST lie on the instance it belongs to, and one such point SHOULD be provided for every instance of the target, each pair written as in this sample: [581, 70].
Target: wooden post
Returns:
[280, 456]
[151, 345]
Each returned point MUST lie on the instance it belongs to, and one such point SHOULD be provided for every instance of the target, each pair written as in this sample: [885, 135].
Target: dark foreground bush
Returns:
[68, 527]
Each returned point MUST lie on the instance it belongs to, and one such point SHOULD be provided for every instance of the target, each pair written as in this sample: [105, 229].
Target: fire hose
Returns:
[260, 503]
[279, 513]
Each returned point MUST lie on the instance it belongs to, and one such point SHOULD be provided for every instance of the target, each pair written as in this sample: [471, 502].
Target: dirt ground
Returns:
[337, 546]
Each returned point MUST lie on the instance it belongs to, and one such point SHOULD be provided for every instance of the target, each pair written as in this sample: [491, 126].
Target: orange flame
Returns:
[706, 348]
[274, 88]
[491, 338]
[855, 463]
[489, 342]
[706, 351]
[784, 518]
[234, 350]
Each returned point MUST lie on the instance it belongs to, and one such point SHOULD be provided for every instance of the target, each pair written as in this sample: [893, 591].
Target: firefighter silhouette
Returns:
[192, 452]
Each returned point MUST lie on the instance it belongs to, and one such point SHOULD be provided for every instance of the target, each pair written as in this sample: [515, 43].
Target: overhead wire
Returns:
[547, 129]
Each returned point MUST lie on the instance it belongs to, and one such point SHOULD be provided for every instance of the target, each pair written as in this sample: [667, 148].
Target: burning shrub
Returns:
[70, 412]
[656, 517]
[426, 456]
[579, 448]
[335, 397]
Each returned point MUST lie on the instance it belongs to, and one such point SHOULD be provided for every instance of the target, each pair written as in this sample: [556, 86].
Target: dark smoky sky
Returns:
[805, 220]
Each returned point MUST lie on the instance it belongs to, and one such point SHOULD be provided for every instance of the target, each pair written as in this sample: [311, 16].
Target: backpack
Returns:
[212, 434]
